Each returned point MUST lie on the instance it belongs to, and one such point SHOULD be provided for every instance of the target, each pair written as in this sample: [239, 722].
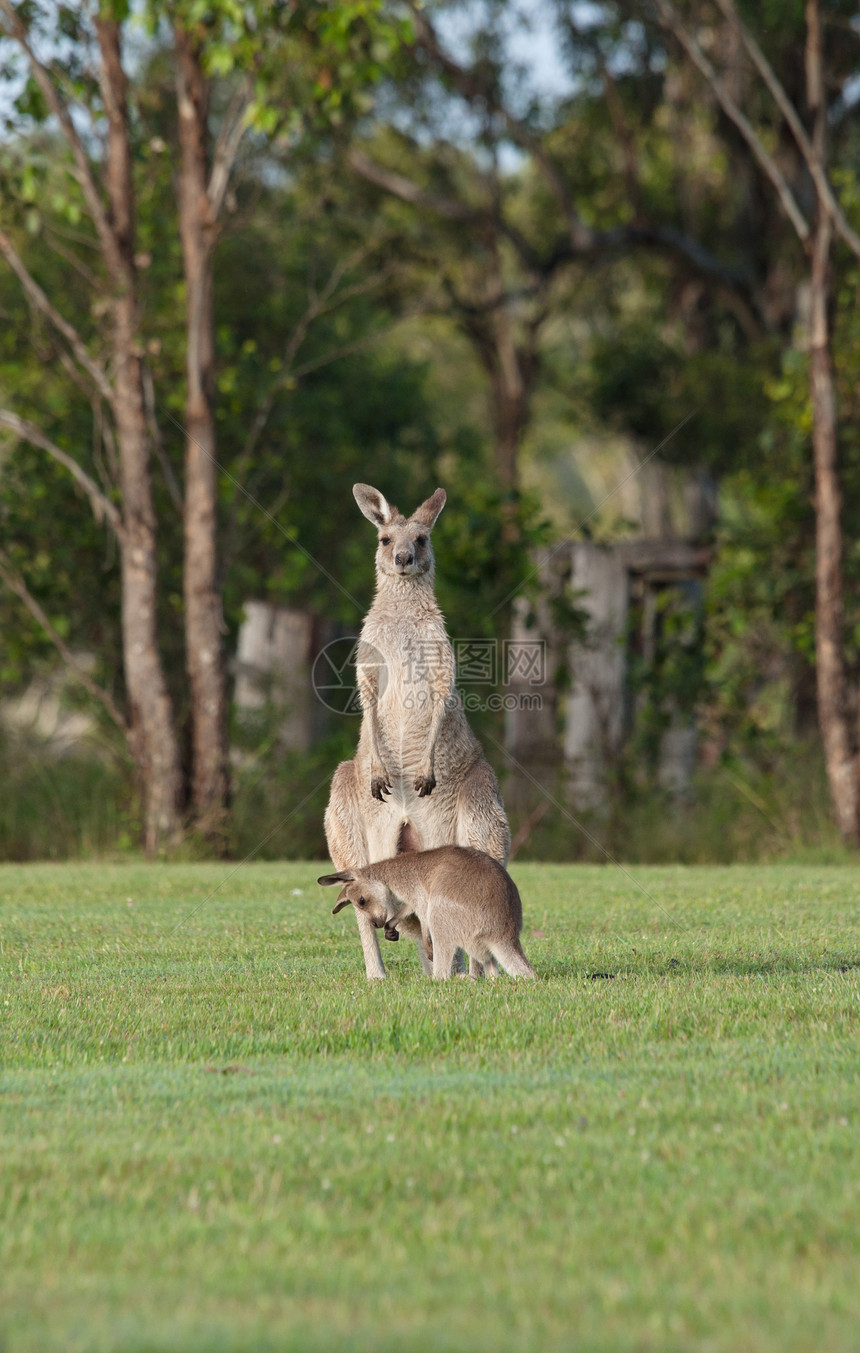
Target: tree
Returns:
[85, 80]
[149, 723]
[249, 44]
[817, 239]
[508, 237]
[202, 186]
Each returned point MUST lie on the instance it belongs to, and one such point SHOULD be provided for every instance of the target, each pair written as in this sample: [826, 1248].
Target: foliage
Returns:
[761, 800]
[665, 686]
[376, 378]
[280, 795]
[77, 806]
[766, 805]
[644, 383]
[760, 628]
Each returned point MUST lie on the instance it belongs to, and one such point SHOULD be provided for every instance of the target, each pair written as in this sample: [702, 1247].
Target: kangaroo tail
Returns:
[512, 959]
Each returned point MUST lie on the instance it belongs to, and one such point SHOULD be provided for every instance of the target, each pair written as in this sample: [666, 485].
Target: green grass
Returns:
[219, 1137]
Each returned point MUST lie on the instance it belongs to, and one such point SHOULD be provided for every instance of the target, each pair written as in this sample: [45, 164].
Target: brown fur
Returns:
[419, 778]
[456, 898]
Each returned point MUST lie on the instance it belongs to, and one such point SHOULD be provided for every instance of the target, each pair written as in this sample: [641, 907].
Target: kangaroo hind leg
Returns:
[481, 820]
[443, 958]
[347, 845]
[491, 967]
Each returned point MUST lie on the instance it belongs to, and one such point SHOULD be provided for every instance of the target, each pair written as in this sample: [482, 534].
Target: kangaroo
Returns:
[419, 778]
[460, 898]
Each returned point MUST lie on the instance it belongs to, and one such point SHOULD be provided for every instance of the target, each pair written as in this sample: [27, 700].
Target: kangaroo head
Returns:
[404, 548]
[365, 894]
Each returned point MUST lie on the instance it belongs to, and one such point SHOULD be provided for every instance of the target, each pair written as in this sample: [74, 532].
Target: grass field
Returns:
[214, 1135]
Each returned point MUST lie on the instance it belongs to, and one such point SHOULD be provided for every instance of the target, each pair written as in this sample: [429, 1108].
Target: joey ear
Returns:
[340, 904]
[428, 512]
[329, 880]
[371, 502]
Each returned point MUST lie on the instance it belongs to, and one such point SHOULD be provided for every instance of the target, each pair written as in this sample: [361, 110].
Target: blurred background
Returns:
[592, 267]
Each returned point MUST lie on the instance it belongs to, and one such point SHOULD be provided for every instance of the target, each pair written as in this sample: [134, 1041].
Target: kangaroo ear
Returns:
[329, 880]
[339, 906]
[428, 512]
[372, 504]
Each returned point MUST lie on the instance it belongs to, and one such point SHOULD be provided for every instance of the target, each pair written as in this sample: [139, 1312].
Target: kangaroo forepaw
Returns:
[379, 787]
[425, 784]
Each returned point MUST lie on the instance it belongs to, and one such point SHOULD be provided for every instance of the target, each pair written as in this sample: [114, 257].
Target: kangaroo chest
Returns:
[413, 658]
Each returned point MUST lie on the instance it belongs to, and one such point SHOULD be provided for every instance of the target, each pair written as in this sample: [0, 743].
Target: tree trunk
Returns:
[833, 717]
[510, 418]
[152, 734]
[203, 606]
[511, 376]
[829, 605]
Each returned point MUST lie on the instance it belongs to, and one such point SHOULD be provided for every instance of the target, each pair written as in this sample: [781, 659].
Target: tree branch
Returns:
[157, 440]
[103, 508]
[671, 21]
[816, 169]
[84, 174]
[16, 584]
[452, 210]
[344, 350]
[580, 241]
[37, 297]
[472, 89]
[69, 256]
[673, 241]
[328, 299]
[404, 188]
[113, 83]
[641, 235]
[227, 147]
[623, 135]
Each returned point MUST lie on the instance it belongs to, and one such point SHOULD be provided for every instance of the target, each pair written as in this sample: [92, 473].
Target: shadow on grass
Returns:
[715, 966]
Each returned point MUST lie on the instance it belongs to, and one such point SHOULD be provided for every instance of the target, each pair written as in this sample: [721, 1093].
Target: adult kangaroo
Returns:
[419, 778]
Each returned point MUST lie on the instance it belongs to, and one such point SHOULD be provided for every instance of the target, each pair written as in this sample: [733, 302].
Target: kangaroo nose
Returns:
[401, 560]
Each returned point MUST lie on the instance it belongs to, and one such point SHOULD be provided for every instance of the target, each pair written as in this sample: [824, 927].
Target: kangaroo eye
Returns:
[362, 902]
[422, 540]
[385, 540]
